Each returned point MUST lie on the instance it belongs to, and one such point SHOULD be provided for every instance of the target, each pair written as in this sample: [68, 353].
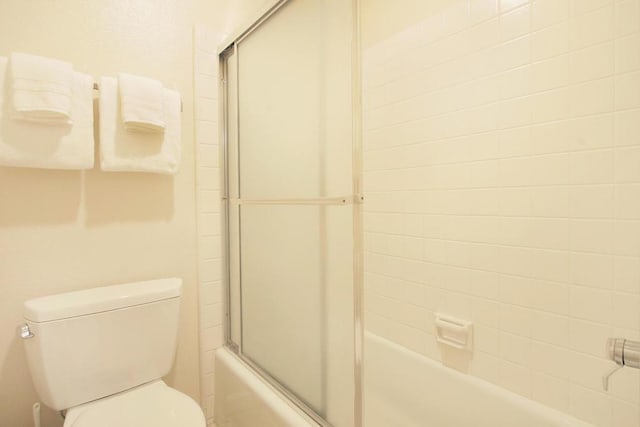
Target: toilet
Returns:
[98, 355]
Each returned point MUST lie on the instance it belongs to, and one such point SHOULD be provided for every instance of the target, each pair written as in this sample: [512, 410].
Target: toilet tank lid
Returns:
[97, 300]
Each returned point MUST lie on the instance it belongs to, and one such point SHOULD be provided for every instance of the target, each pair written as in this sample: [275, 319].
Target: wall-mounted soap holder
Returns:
[456, 333]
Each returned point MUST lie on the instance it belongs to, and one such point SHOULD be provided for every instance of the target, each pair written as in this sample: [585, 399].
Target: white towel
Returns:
[121, 150]
[67, 146]
[141, 103]
[42, 88]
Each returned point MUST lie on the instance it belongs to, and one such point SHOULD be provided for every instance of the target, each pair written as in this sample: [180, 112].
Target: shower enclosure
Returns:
[292, 202]
[475, 278]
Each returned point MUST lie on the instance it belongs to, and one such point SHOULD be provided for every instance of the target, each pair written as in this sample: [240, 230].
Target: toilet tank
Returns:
[93, 343]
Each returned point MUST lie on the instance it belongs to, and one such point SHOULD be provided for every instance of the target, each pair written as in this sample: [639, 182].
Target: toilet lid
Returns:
[154, 404]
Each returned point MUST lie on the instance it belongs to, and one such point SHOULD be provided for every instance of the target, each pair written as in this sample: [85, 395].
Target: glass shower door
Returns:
[290, 202]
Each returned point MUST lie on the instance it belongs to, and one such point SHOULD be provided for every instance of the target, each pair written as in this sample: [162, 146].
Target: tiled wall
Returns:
[208, 194]
[502, 178]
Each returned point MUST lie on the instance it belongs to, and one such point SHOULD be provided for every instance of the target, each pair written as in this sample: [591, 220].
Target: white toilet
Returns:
[99, 354]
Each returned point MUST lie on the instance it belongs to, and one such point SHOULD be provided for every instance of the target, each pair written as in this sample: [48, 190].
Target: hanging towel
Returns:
[42, 88]
[141, 103]
[66, 146]
[121, 150]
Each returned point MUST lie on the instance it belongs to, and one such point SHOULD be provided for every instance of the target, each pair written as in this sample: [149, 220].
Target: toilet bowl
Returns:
[99, 355]
[154, 404]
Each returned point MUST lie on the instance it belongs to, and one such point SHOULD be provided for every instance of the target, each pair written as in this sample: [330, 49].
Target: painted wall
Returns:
[68, 230]
[502, 186]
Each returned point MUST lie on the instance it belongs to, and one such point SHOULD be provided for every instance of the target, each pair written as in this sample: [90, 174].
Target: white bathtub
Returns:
[403, 388]
[245, 400]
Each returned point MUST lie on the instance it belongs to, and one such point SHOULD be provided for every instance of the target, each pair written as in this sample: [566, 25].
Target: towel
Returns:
[141, 103]
[42, 88]
[121, 150]
[66, 146]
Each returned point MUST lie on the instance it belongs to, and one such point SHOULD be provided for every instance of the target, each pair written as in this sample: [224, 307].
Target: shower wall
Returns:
[502, 186]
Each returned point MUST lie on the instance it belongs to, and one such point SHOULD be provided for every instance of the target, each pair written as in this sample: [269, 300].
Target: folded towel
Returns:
[67, 146]
[141, 103]
[121, 150]
[41, 88]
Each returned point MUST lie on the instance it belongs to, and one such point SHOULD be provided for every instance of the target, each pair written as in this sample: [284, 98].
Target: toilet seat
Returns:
[153, 405]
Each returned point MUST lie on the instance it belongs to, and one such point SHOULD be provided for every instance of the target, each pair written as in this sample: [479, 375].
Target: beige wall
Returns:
[67, 230]
[502, 186]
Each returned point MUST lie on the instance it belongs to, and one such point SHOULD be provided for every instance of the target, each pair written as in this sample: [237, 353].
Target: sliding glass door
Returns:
[290, 202]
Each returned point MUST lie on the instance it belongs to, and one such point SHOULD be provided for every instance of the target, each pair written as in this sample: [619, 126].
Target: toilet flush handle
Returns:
[25, 332]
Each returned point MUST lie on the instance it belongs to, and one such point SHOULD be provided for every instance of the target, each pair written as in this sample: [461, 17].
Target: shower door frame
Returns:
[356, 199]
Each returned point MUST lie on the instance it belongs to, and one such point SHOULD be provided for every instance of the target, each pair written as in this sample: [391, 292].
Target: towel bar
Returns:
[318, 201]
[97, 87]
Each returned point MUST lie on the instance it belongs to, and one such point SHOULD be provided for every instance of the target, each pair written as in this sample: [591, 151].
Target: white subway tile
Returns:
[550, 359]
[550, 73]
[593, 97]
[480, 10]
[550, 391]
[627, 90]
[515, 349]
[627, 54]
[626, 313]
[515, 23]
[550, 328]
[550, 41]
[591, 269]
[206, 109]
[515, 320]
[625, 387]
[552, 169]
[487, 367]
[486, 339]
[591, 235]
[591, 167]
[625, 413]
[210, 270]
[589, 304]
[209, 247]
[208, 155]
[516, 378]
[591, 201]
[550, 201]
[208, 201]
[592, 27]
[580, 7]
[589, 337]
[627, 201]
[206, 86]
[590, 406]
[593, 62]
[206, 64]
[626, 277]
[510, 4]
[548, 12]
[626, 168]
[626, 17]
[627, 238]
[207, 132]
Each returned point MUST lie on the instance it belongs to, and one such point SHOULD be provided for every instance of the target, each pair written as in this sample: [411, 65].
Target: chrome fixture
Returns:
[625, 353]
[25, 332]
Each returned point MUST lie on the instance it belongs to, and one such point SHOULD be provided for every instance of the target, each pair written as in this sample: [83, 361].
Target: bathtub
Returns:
[402, 389]
[243, 399]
